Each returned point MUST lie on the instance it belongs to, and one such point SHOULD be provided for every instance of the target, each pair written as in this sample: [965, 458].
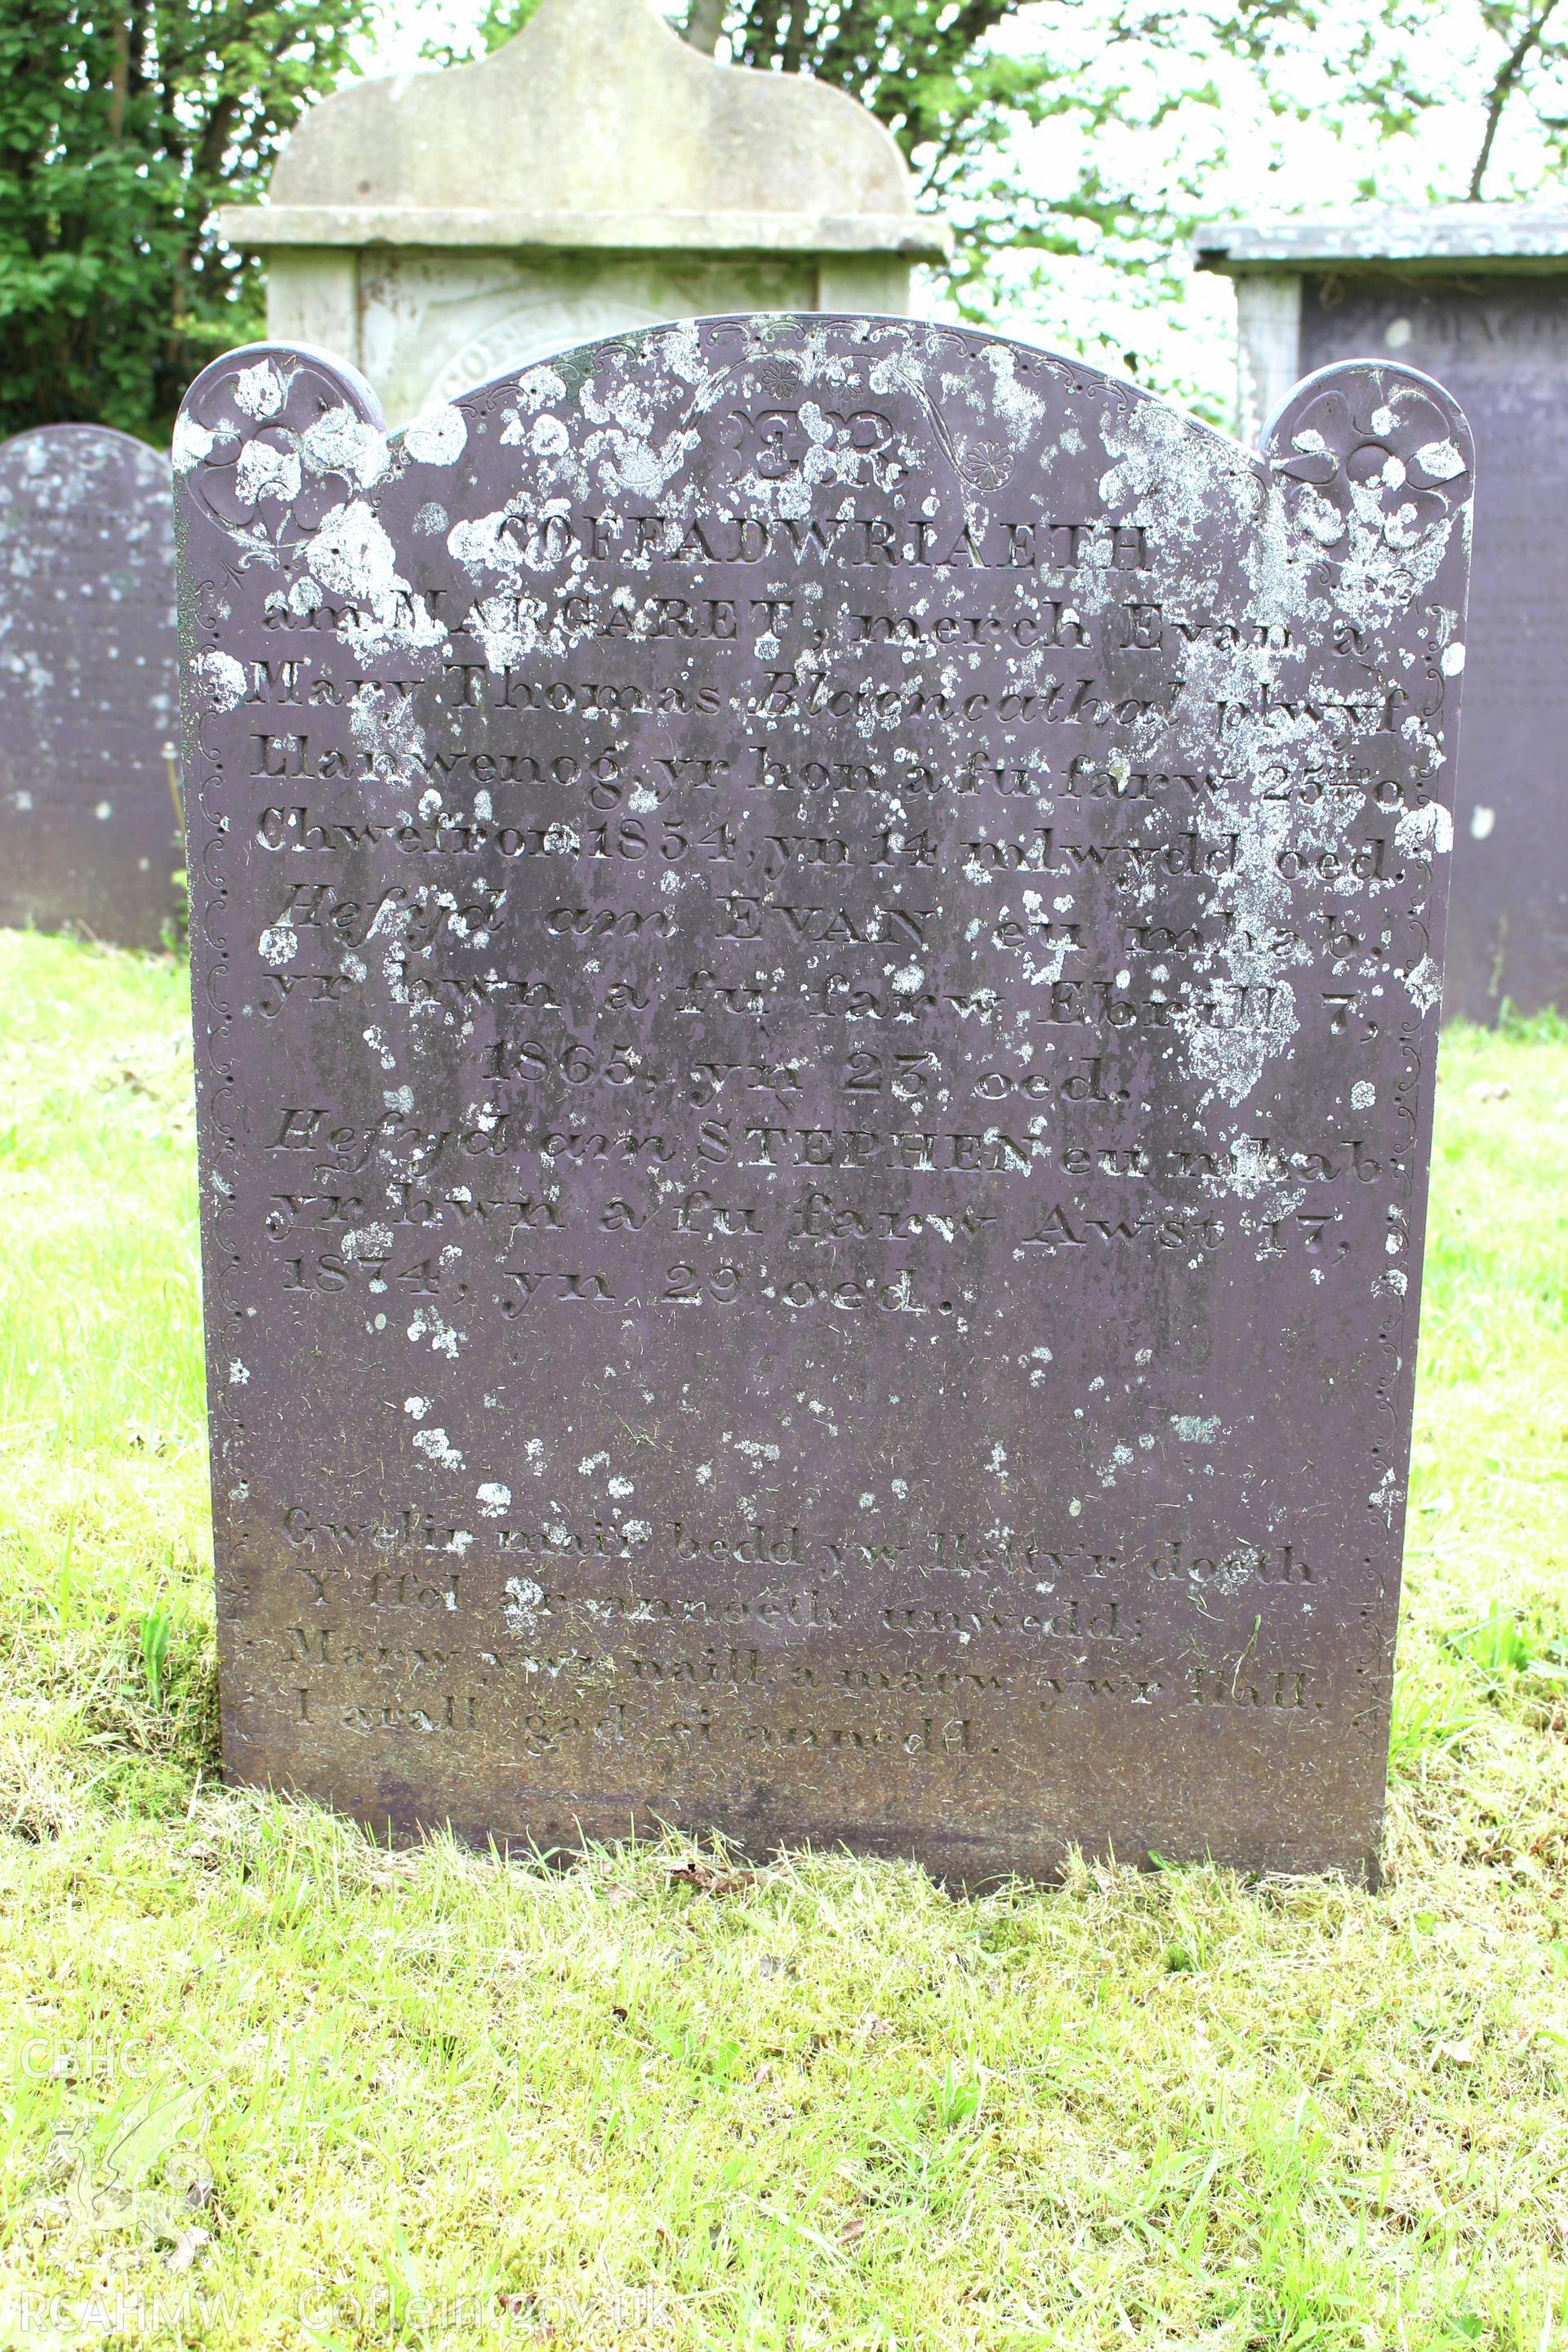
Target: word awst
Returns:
[1174, 1229]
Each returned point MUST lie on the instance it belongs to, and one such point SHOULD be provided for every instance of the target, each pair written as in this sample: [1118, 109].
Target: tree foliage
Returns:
[957, 80]
[934, 73]
[954, 87]
[1061, 128]
[1057, 136]
[120, 129]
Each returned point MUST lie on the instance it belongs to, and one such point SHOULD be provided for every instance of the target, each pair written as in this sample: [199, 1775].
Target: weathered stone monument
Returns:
[89, 813]
[1475, 294]
[593, 174]
[817, 950]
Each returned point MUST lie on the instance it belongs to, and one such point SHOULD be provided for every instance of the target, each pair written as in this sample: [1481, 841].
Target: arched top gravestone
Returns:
[90, 816]
[1475, 294]
[818, 948]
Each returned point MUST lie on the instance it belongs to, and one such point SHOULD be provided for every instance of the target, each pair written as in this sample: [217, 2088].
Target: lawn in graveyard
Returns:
[263, 2085]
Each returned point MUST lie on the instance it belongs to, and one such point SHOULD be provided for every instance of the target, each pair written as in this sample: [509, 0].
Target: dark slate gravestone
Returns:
[1501, 346]
[1477, 295]
[817, 950]
[89, 814]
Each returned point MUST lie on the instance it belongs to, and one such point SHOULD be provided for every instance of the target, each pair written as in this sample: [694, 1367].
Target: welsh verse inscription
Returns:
[90, 811]
[817, 945]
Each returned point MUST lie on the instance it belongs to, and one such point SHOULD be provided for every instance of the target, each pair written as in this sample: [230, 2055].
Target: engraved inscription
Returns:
[817, 948]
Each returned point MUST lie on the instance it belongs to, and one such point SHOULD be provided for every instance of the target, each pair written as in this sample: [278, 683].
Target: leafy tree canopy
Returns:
[120, 129]
[1073, 143]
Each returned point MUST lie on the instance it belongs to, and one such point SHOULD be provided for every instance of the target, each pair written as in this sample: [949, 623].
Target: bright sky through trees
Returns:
[1161, 114]
[1072, 144]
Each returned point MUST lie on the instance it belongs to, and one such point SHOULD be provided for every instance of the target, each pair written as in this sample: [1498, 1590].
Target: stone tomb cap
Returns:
[596, 127]
[1518, 239]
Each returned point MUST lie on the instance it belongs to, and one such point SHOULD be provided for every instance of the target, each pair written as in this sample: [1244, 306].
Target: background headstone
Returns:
[818, 948]
[595, 173]
[90, 816]
[1475, 294]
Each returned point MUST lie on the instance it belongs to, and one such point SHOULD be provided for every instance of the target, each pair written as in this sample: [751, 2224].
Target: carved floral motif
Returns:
[271, 449]
[1388, 464]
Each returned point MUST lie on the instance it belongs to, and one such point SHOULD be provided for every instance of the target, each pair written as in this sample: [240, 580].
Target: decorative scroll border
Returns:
[1383, 452]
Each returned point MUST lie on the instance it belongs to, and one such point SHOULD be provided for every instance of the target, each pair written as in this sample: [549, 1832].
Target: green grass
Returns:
[262, 2084]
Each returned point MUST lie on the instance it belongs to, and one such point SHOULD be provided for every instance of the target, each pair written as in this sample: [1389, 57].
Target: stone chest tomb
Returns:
[594, 173]
[89, 814]
[817, 954]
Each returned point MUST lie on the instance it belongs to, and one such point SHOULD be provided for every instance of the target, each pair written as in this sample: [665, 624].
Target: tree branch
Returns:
[704, 24]
[215, 139]
[1508, 75]
[121, 83]
[794, 48]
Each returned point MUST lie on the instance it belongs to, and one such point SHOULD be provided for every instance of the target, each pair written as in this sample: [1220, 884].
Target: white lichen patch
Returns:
[362, 1242]
[220, 679]
[756, 1449]
[427, 1324]
[436, 1447]
[343, 442]
[1195, 1429]
[192, 443]
[259, 392]
[520, 1607]
[353, 555]
[438, 437]
[1121, 1456]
